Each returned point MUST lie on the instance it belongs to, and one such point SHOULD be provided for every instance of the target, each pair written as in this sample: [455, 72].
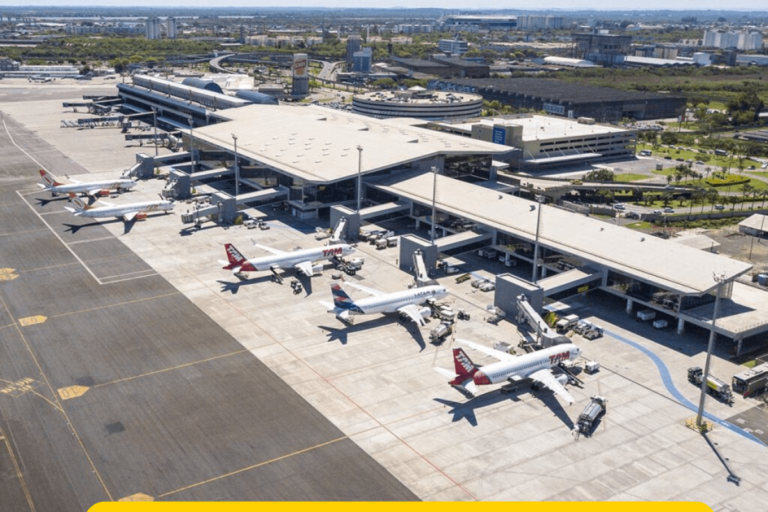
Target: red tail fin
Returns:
[463, 366]
[49, 178]
[237, 260]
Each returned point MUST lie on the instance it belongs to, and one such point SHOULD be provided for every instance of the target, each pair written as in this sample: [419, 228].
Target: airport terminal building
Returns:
[311, 158]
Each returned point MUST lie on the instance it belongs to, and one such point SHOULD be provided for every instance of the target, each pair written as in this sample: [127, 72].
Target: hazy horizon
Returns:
[448, 5]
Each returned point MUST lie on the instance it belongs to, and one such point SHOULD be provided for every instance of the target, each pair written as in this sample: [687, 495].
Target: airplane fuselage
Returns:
[290, 259]
[119, 211]
[523, 366]
[85, 187]
[391, 302]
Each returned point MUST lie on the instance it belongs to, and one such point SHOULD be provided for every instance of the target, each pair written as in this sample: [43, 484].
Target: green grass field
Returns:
[629, 177]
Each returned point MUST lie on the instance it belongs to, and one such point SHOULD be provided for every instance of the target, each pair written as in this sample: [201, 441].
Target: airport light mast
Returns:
[720, 279]
[237, 168]
[359, 176]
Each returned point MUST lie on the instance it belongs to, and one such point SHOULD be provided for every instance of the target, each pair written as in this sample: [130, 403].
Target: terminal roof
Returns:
[319, 144]
[669, 265]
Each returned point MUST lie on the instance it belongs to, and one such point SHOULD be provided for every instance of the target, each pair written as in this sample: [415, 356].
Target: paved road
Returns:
[172, 406]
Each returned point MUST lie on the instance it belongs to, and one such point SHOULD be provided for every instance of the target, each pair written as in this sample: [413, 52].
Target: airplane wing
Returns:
[128, 217]
[371, 291]
[498, 354]
[545, 377]
[413, 313]
[305, 267]
[269, 249]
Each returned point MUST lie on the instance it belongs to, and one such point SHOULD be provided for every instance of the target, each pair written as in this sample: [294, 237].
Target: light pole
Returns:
[237, 168]
[712, 335]
[192, 144]
[434, 203]
[154, 123]
[359, 176]
[536, 243]
[760, 234]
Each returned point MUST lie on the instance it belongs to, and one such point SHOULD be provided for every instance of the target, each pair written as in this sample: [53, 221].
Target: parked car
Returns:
[667, 157]
[669, 210]
[657, 212]
[619, 206]
[719, 207]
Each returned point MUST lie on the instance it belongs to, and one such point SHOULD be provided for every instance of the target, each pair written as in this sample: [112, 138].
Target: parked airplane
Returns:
[127, 212]
[40, 78]
[56, 185]
[405, 302]
[302, 260]
[536, 366]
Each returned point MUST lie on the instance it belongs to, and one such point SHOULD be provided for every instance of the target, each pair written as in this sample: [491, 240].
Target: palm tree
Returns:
[711, 196]
[747, 189]
[697, 195]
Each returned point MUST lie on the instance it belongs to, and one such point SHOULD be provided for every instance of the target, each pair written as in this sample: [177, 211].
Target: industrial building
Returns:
[548, 141]
[478, 21]
[453, 46]
[418, 103]
[601, 48]
[567, 99]
[445, 67]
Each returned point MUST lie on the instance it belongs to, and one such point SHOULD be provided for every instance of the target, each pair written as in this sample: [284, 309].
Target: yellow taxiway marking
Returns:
[26, 385]
[20, 387]
[32, 320]
[58, 406]
[7, 270]
[170, 369]
[8, 277]
[72, 392]
[242, 470]
[19, 474]
[140, 496]
[116, 305]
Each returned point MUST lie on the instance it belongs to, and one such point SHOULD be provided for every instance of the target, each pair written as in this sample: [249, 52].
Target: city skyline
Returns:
[490, 5]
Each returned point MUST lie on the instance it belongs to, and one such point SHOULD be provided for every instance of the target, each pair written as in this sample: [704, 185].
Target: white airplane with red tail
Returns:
[536, 366]
[302, 259]
[56, 185]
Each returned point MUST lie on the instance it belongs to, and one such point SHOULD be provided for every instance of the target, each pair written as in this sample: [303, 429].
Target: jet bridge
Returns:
[545, 335]
[420, 269]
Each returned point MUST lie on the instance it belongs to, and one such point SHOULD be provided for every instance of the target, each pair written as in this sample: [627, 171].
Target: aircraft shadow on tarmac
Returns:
[234, 287]
[74, 228]
[466, 410]
[342, 333]
[42, 202]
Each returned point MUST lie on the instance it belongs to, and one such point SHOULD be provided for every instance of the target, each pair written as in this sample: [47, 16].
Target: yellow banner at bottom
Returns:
[549, 506]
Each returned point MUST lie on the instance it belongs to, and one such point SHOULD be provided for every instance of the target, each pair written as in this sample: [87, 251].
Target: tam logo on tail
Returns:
[463, 365]
[237, 260]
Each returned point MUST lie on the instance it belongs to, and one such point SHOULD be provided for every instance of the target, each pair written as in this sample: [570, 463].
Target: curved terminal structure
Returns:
[418, 103]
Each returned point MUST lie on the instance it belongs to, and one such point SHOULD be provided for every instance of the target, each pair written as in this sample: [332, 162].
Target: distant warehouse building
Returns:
[567, 99]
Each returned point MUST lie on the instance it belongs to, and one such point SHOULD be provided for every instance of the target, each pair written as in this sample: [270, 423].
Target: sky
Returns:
[441, 4]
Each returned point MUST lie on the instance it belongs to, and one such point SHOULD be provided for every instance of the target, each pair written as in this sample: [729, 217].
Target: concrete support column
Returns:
[738, 347]
[507, 258]
[543, 272]
[418, 223]
[680, 326]
[629, 306]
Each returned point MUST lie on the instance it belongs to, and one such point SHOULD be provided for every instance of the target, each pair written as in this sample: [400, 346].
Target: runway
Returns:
[115, 385]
